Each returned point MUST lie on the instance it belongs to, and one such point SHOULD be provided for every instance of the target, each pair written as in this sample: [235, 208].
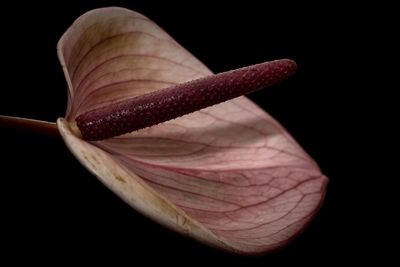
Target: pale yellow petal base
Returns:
[134, 191]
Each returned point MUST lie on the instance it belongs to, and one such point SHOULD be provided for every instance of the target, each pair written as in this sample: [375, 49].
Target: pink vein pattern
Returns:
[231, 167]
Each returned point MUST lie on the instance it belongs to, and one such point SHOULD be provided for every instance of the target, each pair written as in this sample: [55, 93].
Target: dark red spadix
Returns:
[172, 102]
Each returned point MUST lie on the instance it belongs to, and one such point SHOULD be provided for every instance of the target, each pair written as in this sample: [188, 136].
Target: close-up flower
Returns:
[228, 175]
[237, 133]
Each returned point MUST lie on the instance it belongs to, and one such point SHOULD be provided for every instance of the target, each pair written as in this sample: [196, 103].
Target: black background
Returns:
[53, 210]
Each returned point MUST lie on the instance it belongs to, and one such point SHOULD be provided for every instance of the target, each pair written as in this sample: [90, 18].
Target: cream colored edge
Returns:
[134, 191]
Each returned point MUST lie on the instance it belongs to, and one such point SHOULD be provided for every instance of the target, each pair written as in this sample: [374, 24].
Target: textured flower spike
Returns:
[166, 104]
[228, 175]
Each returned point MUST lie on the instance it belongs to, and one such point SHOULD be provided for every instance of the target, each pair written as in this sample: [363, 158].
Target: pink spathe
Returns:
[228, 175]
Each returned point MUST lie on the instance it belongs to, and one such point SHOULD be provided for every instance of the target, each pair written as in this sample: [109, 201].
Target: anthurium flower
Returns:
[228, 175]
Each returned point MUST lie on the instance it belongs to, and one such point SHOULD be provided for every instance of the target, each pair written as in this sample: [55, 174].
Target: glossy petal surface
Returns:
[228, 175]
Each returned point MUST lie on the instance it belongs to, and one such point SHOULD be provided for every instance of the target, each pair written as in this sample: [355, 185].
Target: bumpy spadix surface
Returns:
[229, 175]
